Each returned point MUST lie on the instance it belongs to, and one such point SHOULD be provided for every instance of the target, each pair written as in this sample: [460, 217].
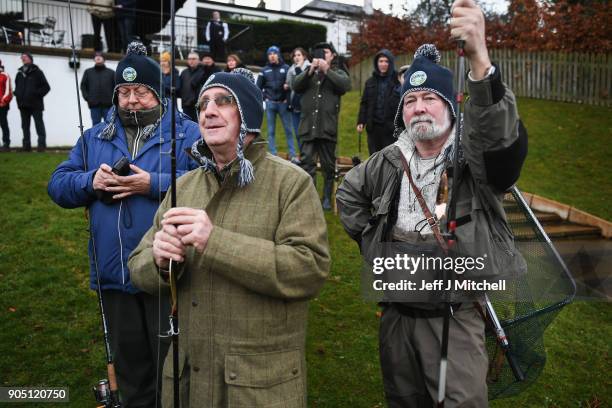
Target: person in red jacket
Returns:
[6, 94]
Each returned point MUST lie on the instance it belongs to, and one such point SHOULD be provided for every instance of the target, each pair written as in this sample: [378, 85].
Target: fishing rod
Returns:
[106, 391]
[174, 322]
[452, 216]
[488, 314]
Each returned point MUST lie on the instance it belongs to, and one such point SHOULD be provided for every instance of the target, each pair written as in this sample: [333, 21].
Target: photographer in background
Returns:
[322, 85]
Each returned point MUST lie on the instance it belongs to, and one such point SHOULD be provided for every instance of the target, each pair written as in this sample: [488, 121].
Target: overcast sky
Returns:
[384, 5]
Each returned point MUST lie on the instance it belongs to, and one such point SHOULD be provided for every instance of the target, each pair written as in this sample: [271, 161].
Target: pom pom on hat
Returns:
[426, 74]
[247, 73]
[428, 51]
[136, 48]
[136, 68]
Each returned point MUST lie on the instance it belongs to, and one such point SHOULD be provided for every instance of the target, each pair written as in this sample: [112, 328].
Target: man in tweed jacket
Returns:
[251, 240]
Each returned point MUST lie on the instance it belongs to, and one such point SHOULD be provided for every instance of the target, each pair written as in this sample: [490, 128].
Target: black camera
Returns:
[121, 168]
[318, 53]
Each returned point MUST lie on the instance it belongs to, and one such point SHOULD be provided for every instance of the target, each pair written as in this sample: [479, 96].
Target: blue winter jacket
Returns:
[118, 228]
[271, 81]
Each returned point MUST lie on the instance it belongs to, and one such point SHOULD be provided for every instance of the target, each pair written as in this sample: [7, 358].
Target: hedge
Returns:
[286, 34]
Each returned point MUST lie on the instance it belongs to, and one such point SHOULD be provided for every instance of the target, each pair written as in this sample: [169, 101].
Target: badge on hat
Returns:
[418, 78]
[129, 74]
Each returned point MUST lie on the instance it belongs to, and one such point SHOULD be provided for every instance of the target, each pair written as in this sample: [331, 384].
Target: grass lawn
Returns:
[50, 331]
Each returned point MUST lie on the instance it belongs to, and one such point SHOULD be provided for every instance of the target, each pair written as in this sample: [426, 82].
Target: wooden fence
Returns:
[568, 77]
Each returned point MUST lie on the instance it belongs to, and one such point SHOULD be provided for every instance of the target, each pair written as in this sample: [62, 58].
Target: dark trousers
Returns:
[410, 359]
[126, 31]
[217, 49]
[191, 112]
[6, 133]
[378, 138]
[135, 322]
[325, 150]
[98, 114]
[109, 32]
[26, 115]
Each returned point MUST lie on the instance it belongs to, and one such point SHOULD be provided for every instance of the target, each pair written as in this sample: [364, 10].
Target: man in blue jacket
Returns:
[121, 210]
[272, 82]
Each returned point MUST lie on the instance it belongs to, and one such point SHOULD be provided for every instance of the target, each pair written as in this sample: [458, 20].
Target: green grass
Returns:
[50, 331]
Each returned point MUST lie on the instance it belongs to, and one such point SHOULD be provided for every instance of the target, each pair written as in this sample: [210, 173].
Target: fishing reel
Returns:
[105, 396]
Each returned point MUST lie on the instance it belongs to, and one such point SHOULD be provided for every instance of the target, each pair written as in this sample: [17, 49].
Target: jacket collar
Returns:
[254, 152]
[110, 130]
[393, 152]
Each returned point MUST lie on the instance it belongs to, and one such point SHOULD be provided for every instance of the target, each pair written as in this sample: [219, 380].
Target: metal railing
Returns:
[46, 23]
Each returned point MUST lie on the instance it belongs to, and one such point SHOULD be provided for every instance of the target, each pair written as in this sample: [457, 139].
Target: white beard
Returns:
[425, 127]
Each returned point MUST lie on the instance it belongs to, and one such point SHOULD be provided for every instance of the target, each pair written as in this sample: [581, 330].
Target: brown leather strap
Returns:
[432, 220]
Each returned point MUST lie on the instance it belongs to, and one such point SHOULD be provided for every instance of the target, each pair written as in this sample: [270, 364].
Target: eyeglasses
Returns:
[139, 93]
[220, 100]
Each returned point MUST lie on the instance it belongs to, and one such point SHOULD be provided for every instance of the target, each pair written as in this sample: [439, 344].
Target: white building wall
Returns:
[61, 114]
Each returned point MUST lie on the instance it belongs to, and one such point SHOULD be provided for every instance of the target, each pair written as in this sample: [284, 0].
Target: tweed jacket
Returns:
[243, 302]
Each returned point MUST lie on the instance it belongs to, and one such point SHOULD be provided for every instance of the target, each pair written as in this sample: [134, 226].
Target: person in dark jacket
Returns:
[272, 81]
[31, 86]
[121, 210]
[379, 103]
[205, 70]
[97, 87]
[125, 12]
[216, 33]
[186, 92]
[402, 194]
[322, 85]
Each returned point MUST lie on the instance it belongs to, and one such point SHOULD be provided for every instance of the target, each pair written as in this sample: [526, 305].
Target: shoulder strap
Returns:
[432, 220]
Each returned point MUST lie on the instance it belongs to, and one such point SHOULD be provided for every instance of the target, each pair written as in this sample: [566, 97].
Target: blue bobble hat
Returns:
[135, 69]
[426, 74]
[273, 49]
[241, 84]
[138, 69]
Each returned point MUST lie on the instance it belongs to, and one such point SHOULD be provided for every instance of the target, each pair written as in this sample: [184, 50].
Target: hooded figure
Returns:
[138, 130]
[379, 102]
